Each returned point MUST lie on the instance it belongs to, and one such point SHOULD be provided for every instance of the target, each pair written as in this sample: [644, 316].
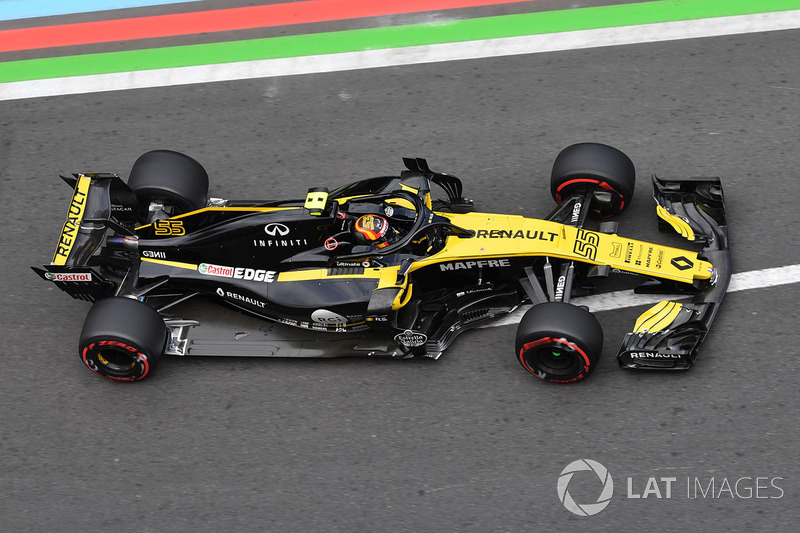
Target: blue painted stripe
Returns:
[23, 9]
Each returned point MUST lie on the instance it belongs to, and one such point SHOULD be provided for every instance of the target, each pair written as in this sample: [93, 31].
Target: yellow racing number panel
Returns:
[636, 256]
[69, 232]
[509, 236]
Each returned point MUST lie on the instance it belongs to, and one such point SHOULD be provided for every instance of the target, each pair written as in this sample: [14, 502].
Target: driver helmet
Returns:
[372, 229]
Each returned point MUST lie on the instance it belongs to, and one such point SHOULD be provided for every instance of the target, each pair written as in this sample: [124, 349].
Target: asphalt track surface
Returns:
[470, 442]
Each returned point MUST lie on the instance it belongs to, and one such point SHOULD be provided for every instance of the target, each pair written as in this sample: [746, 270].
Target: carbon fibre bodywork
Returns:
[293, 283]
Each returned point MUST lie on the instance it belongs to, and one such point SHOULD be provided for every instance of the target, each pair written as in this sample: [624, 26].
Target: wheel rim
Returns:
[554, 359]
[115, 362]
[557, 360]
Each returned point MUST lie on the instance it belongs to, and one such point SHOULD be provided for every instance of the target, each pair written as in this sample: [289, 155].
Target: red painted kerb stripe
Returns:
[220, 20]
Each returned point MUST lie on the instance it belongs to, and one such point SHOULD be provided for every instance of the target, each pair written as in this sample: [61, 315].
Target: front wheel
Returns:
[122, 339]
[608, 172]
[559, 342]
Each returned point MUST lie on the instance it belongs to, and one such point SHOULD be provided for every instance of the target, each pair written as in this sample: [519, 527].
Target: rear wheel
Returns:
[122, 339]
[599, 167]
[559, 342]
[172, 178]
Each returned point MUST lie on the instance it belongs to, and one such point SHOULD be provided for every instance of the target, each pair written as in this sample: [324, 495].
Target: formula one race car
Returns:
[379, 268]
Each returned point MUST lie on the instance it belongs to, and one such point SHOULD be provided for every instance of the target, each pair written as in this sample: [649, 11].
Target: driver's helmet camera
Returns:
[372, 229]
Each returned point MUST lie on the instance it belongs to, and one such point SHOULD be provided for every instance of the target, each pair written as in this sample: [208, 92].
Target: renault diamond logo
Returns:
[682, 263]
[276, 229]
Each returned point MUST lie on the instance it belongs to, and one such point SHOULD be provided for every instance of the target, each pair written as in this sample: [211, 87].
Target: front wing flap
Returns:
[667, 336]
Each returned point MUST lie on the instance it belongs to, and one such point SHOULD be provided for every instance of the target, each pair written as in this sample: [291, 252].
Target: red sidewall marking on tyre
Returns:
[545, 340]
[601, 184]
[139, 355]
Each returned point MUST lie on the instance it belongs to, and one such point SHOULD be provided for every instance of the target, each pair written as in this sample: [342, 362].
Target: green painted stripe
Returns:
[388, 37]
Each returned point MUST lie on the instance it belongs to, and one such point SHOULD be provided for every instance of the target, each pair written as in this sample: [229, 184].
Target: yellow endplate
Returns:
[69, 232]
[658, 317]
[677, 223]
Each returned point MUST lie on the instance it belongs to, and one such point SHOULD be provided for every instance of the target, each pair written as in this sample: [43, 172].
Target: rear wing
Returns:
[99, 202]
[667, 336]
[82, 283]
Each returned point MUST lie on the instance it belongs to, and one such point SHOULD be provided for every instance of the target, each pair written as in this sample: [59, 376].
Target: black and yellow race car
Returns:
[379, 267]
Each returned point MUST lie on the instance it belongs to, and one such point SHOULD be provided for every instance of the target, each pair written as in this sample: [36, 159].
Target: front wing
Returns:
[668, 335]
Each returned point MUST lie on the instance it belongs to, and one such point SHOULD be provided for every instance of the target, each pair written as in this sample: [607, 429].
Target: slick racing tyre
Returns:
[559, 342]
[602, 168]
[169, 177]
[122, 339]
